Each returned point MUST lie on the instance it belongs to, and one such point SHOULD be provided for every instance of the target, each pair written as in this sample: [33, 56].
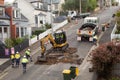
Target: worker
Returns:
[17, 57]
[28, 56]
[95, 39]
[61, 38]
[24, 62]
[12, 57]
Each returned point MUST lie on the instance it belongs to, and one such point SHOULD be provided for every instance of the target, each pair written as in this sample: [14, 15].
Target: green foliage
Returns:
[104, 57]
[17, 41]
[117, 32]
[13, 42]
[71, 5]
[115, 78]
[117, 17]
[8, 43]
[48, 26]
[32, 36]
[63, 13]
[37, 32]
[87, 5]
[92, 4]
[117, 14]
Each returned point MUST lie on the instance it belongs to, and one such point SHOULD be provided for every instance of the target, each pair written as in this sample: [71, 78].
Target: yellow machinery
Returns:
[58, 42]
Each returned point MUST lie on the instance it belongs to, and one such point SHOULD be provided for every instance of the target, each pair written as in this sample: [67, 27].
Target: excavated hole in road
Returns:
[68, 56]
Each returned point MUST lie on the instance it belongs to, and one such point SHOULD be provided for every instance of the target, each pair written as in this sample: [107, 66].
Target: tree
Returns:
[71, 5]
[86, 5]
[104, 57]
[8, 43]
[91, 5]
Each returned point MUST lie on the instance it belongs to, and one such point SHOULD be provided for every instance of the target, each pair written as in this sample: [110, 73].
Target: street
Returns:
[54, 72]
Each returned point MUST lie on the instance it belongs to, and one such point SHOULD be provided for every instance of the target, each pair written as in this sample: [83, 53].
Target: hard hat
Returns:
[24, 56]
[29, 49]
[17, 52]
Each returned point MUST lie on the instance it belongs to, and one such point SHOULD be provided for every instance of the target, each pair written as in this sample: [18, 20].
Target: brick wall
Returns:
[1, 2]
[9, 11]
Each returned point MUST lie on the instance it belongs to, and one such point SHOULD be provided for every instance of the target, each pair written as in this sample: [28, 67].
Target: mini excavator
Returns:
[58, 42]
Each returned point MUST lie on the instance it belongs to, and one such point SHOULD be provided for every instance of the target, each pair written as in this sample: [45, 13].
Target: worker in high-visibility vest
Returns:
[95, 39]
[17, 57]
[24, 62]
[12, 57]
[28, 56]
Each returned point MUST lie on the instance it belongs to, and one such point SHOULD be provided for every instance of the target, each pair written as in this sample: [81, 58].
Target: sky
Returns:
[9, 1]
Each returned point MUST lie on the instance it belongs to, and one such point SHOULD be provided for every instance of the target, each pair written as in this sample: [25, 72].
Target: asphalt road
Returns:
[54, 72]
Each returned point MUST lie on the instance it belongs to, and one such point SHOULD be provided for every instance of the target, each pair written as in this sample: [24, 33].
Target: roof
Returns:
[23, 18]
[59, 19]
[5, 17]
[3, 23]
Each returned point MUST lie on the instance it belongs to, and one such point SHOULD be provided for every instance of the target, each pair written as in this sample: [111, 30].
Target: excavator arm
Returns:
[44, 40]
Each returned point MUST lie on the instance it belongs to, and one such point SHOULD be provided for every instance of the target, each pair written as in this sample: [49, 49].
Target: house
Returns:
[20, 21]
[38, 11]
[12, 22]
[4, 24]
[56, 4]
[34, 12]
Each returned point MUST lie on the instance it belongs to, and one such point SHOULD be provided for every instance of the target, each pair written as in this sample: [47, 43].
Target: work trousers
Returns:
[17, 62]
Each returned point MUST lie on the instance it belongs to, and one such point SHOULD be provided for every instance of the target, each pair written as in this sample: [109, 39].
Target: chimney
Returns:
[1, 2]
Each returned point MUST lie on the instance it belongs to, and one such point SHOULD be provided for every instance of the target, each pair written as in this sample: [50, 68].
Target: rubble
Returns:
[68, 56]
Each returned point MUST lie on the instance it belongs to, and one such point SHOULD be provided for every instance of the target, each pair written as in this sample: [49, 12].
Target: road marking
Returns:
[3, 75]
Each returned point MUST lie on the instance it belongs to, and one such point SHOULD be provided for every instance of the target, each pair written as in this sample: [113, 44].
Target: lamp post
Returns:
[80, 6]
[51, 17]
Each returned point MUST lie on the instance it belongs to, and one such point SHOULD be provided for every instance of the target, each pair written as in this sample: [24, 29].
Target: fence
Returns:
[5, 53]
[113, 35]
[22, 46]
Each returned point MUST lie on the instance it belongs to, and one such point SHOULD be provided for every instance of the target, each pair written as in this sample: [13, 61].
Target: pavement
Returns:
[84, 67]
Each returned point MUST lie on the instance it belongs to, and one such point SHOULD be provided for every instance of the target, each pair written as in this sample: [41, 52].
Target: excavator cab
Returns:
[60, 37]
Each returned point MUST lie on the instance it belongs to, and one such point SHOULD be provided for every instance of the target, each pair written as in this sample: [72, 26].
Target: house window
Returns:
[5, 29]
[39, 5]
[36, 19]
[17, 32]
[56, 7]
[0, 29]
[22, 32]
[16, 13]
[25, 31]
[1, 11]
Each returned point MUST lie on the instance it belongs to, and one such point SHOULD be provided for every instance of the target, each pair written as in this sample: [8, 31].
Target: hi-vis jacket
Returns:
[24, 60]
[27, 52]
[12, 56]
[17, 56]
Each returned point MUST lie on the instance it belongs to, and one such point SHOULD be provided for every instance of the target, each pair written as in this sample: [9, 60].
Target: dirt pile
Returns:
[68, 56]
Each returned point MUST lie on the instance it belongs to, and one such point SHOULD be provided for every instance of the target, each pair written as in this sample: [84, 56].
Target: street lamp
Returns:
[80, 6]
[51, 17]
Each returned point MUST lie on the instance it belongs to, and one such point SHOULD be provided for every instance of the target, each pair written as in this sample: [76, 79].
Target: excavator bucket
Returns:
[41, 59]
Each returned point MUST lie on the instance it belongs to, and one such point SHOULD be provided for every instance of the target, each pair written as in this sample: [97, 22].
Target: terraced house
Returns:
[11, 22]
[23, 16]
[38, 12]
